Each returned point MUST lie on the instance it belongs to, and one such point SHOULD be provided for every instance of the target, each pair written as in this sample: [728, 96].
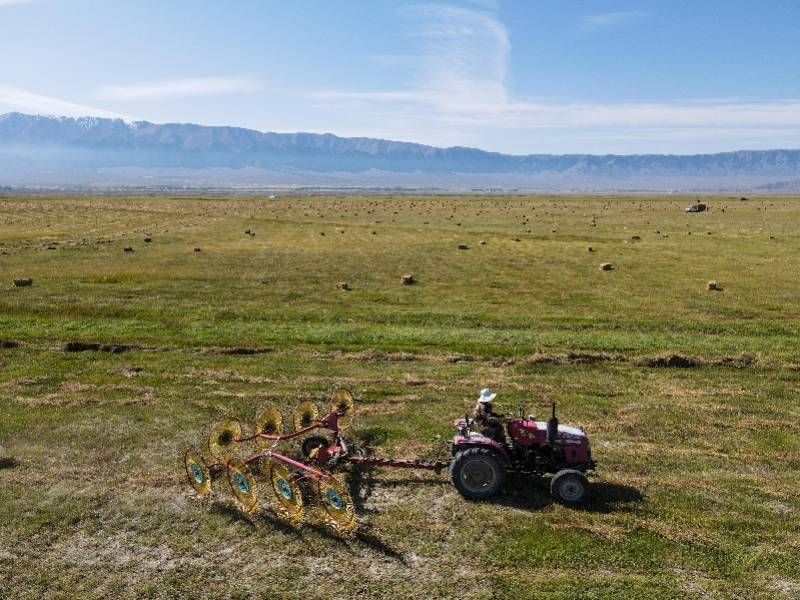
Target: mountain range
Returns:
[47, 150]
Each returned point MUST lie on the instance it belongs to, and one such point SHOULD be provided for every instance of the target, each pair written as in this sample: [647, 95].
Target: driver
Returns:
[489, 423]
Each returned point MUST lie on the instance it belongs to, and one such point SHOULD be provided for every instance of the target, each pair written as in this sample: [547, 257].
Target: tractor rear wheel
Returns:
[477, 473]
[569, 487]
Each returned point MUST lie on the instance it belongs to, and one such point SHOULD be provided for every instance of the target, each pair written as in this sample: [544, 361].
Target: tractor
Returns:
[479, 464]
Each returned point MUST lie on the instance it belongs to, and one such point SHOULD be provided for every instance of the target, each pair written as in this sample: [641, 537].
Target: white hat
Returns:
[486, 396]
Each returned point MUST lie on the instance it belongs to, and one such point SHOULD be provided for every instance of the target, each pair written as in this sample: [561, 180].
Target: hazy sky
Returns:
[521, 76]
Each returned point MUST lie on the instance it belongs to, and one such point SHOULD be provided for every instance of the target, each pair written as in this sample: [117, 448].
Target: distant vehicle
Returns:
[696, 208]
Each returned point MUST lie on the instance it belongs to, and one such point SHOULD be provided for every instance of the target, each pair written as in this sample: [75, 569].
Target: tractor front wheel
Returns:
[477, 473]
[569, 487]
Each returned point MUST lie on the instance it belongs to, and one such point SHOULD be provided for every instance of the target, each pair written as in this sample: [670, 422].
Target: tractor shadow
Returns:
[533, 493]
[363, 479]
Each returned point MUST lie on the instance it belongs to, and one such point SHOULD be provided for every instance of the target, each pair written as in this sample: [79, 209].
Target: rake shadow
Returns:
[363, 536]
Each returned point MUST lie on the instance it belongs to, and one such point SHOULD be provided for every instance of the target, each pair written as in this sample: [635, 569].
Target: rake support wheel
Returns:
[197, 472]
[223, 438]
[287, 497]
[305, 415]
[269, 421]
[336, 506]
[243, 485]
[344, 404]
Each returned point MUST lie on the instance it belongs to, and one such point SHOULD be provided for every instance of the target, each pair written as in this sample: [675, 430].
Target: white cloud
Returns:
[24, 100]
[459, 96]
[464, 56]
[177, 88]
[611, 19]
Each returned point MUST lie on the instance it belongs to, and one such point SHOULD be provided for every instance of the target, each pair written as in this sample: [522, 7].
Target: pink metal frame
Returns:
[331, 423]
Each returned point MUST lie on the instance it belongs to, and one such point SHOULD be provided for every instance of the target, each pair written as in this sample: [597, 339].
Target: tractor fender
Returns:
[461, 442]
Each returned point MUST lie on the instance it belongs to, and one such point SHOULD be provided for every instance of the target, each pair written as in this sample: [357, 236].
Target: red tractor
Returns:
[479, 465]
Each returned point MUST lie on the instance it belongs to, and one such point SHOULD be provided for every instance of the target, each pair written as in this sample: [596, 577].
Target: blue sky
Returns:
[520, 76]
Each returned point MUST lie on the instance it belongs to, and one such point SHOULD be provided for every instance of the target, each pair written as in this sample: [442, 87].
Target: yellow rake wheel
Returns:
[197, 472]
[243, 485]
[338, 510]
[344, 405]
[305, 415]
[269, 421]
[287, 496]
[223, 438]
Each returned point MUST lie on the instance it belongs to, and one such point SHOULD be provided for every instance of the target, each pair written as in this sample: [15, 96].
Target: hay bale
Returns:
[128, 249]
[589, 249]
[408, 279]
[463, 247]
[606, 266]
[147, 240]
[713, 286]
[343, 285]
[198, 250]
[23, 282]
[636, 238]
[9, 344]
[482, 242]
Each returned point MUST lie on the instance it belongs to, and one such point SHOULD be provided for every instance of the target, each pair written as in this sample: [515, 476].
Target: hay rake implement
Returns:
[298, 489]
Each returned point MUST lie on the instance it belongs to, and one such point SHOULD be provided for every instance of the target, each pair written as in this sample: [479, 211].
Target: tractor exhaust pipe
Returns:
[552, 427]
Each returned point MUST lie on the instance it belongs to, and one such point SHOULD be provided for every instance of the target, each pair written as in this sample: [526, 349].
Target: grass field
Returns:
[696, 494]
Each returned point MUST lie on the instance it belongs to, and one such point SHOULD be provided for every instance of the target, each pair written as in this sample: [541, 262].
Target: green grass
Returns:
[696, 494]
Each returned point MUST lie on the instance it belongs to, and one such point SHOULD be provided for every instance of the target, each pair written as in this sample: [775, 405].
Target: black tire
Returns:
[314, 441]
[569, 487]
[477, 473]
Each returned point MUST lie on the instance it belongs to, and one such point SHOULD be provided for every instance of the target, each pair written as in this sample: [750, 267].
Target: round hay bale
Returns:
[408, 279]
[606, 266]
[198, 250]
[589, 249]
[482, 242]
[128, 249]
[147, 240]
[343, 285]
[463, 247]
[713, 286]
[23, 282]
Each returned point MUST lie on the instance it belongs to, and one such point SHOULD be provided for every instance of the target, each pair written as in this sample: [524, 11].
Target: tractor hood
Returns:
[571, 431]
